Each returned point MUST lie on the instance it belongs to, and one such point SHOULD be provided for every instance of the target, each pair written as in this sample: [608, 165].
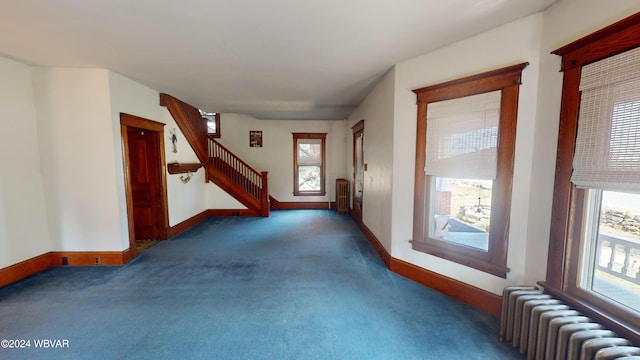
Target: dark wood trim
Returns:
[32, 266]
[127, 188]
[24, 269]
[472, 85]
[494, 260]
[456, 289]
[182, 168]
[142, 123]
[95, 258]
[231, 212]
[599, 45]
[218, 132]
[374, 241]
[568, 200]
[190, 122]
[300, 205]
[323, 167]
[184, 225]
[356, 208]
[126, 121]
[476, 297]
[359, 126]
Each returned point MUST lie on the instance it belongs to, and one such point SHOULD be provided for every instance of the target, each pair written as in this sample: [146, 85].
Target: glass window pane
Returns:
[309, 153]
[614, 268]
[211, 125]
[309, 178]
[461, 211]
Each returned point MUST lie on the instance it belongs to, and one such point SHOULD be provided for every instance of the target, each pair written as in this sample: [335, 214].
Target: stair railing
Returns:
[243, 175]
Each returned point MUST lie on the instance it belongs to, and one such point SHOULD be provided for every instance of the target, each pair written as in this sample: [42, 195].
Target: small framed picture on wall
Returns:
[255, 138]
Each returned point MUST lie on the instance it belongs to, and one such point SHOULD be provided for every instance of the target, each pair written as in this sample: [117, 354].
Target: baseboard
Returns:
[377, 245]
[32, 266]
[24, 269]
[476, 297]
[84, 258]
[293, 205]
[231, 212]
[182, 226]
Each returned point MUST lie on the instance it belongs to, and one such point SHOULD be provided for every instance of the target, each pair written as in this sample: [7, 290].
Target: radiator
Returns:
[545, 328]
[342, 196]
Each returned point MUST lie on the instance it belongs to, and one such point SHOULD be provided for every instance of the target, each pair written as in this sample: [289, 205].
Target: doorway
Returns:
[145, 180]
[358, 170]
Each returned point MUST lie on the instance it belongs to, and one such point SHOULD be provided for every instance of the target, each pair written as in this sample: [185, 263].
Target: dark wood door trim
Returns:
[358, 131]
[127, 121]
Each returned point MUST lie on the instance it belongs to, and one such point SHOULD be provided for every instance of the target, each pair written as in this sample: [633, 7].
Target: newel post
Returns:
[264, 201]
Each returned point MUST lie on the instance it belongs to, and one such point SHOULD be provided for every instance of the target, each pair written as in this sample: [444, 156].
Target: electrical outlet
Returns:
[65, 260]
[97, 259]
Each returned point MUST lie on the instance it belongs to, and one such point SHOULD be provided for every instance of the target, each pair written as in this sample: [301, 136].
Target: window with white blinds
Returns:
[607, 152]
[462, 137]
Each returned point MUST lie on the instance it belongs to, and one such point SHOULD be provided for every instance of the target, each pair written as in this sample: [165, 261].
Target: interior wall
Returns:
[184, 200]
[564, 22]
[527, 40]
[24, 231]
[276, 153]
[377, 111]
[511, 44]
[76, 143]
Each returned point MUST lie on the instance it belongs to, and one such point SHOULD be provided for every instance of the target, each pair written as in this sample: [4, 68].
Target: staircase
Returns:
[223, 168]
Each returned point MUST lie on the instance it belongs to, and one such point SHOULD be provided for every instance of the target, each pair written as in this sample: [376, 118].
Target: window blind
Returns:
[607, 152]
[462, 137]
[309, 151]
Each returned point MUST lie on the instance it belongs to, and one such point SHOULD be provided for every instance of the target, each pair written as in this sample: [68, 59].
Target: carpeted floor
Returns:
[302, 284]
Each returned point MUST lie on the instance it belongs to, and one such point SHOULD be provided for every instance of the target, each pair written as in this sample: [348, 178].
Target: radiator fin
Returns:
[545, 328]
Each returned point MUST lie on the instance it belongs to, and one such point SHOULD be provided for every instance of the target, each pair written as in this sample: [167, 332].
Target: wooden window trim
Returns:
[568, 200]
[493, 261]
[218, 133]
[296, 137]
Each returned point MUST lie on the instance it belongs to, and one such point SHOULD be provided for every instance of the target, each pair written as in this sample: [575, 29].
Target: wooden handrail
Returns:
[242, 174]
[190, 123]
[224, 168]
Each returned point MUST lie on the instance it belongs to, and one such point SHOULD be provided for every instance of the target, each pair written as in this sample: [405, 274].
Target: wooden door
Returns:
[144, 164]
[358, 170]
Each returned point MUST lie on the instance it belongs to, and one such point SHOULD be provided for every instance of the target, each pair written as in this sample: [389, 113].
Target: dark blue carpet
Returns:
[302, 284]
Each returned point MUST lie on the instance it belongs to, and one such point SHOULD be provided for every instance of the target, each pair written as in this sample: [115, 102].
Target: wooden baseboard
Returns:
[231, 212]
[32, 266]
[303, 205]
[24, 269]
[464, 292]
[458, 290]
[180, 227]
[377, 245]
[84, 258]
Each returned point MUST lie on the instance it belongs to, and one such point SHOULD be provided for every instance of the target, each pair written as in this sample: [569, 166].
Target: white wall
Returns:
[563, 23]
[276, 153]
[510, 44]
[23, 220]
[76, 143]
[527, 40]
[377, 111]
[184, 200]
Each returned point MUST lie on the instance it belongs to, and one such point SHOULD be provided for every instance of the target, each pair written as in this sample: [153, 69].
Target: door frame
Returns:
[358, 131]
[131, 121]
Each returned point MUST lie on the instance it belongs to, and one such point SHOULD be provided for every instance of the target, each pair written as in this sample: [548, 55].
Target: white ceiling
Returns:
[277, 59]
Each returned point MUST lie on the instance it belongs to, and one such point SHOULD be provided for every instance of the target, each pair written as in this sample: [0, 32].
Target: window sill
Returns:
[461, 257]
[319, 193]
[616, 318]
